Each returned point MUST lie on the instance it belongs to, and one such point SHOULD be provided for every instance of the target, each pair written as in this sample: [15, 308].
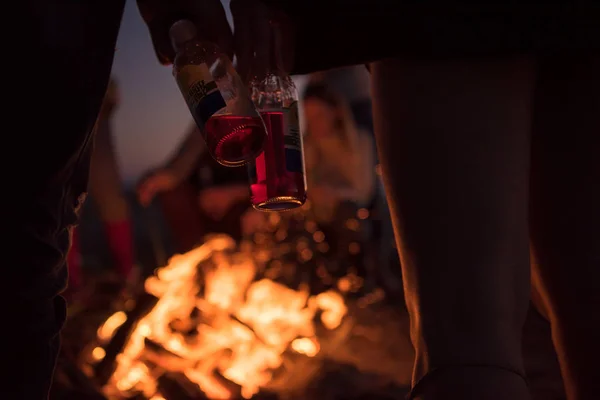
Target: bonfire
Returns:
[218, 321]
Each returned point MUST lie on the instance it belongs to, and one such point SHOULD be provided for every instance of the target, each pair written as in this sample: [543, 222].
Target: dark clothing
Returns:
[65, 54]
[187, 222]
[209, 173]
[336, 33]
[229, 224]
[362, 111]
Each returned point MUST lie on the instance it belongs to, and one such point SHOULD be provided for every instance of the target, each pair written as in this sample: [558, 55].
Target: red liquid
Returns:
[233, 140]
[273, 187]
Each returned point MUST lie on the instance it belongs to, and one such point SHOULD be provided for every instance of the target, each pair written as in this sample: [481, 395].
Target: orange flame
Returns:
[244, 328]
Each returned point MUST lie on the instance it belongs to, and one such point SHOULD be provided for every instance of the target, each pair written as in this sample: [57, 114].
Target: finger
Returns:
[285, 32]
[243, 37]
[211, 21]
[159, 17]
[262, 38]
[208, 16]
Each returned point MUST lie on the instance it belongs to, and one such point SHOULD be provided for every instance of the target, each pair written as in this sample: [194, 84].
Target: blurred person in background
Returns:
[339, 163]
[106, 190]
[340, 167]
[353, 85]
[198, 196]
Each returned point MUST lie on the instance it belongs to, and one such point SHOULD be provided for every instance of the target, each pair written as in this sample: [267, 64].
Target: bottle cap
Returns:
[181, 32]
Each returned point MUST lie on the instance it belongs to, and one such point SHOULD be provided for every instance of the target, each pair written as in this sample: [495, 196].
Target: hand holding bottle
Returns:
[253, 21]
[277, 177]
[250, 19]
[208, 15]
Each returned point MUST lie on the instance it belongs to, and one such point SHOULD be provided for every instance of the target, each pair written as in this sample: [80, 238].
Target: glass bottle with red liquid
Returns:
[277, 176]
[217, 98]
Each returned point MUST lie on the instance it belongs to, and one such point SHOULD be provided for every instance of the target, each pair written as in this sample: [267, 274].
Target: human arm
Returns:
[208, 16]
[176, 170]
[184, 161]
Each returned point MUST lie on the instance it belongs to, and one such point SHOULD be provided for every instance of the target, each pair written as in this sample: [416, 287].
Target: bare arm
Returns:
[186, 158]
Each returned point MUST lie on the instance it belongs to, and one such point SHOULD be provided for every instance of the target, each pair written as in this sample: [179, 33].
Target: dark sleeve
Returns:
[335, 33]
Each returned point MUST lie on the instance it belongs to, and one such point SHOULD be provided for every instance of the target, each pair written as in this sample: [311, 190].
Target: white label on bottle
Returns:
[200, 92]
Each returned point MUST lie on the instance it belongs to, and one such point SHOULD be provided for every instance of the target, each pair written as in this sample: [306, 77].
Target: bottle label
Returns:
[200, 92]
[294, 158]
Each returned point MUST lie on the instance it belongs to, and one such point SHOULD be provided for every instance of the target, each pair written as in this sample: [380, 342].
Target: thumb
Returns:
[242, 36]
[159, 18]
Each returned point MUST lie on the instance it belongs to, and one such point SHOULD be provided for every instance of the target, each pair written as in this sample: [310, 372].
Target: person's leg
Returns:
[62, 64]
[565, 214]
[453, 140]
[106, 190]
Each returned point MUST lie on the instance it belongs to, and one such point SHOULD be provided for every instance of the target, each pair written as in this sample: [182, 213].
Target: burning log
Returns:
[219, 387]
[107, 365]
[158, 355]
[177, 386]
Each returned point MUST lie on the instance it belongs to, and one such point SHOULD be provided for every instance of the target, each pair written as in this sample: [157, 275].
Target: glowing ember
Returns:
[107, 330]
[213, 320]
[98, 353]
[309, 347]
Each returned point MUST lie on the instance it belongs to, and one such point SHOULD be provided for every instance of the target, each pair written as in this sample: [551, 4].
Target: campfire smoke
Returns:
[216, 325]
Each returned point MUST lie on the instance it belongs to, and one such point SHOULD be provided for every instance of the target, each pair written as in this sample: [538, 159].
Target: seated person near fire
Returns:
[198, 196]
[340, 165]
[340, 171]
